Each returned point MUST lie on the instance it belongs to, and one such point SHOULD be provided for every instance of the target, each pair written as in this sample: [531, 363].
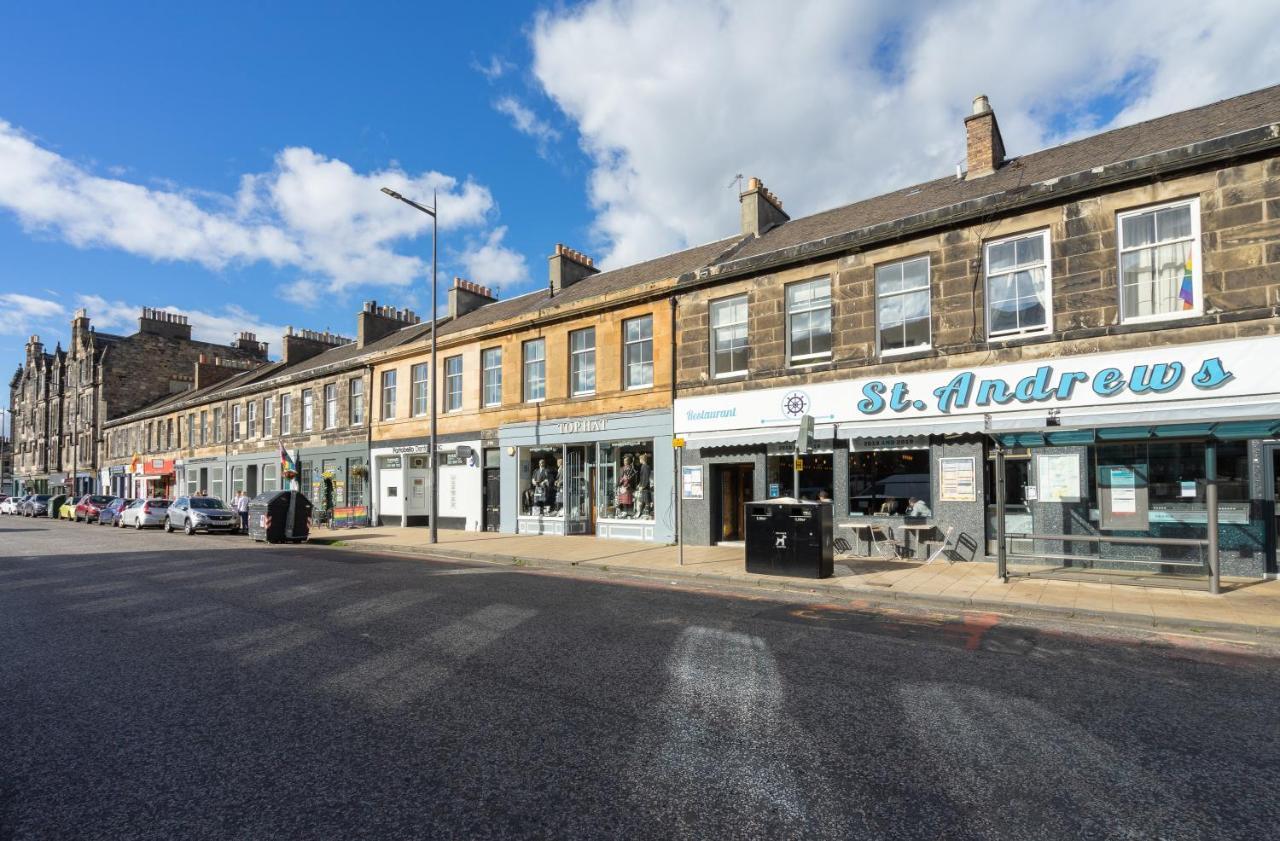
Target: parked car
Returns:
[13, 505]
[87, 509]
[37, 505]
[67, 510]
[144, 514]
[109, 514]
[201, 513]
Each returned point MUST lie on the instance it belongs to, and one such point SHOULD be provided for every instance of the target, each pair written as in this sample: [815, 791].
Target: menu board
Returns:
[1124, 491]
[691, 482]
[959, 480]
[1058, 477]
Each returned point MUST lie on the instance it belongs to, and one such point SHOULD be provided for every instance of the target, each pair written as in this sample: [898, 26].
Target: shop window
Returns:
[540, 472]
[729, 337]
[270, 482]
[582, 362]
[331, 406]
[902, 305]
[491, 376]
[237, 480]
[418, 389]
[637, 352]
[1159, 262]
[535, 370]
[355, 399]
[215, 482]
[809, 321]
[1019, 297]
[268, 417]
[355, 481]
[624, 480]
[817, 478]
[453, 384]
[885, 481]
[308, 410]
[388, 395]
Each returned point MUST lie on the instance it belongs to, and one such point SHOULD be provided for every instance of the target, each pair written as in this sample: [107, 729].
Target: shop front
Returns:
[607, 475]
[152, 478]
[254, 472]
[401, 476]
[1117, 448]
[333, 477]
[206, 475]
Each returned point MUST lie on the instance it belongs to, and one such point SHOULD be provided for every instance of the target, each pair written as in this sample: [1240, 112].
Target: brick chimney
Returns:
[305, 344]
[80, 336]
[761, 209]
[466, 296]
[214, 369]
[375, 322]
[248, 342]
[982, 133]
[164, 323]
[567, 267]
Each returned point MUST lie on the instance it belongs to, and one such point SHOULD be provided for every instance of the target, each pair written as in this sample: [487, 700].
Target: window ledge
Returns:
[1163, 317]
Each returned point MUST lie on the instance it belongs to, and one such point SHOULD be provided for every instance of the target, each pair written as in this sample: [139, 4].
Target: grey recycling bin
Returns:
[280, 516]
[785, 537]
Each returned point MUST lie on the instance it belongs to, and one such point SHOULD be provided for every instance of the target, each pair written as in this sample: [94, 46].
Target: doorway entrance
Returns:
[735, 486]
[1271, 492]
[492, 498]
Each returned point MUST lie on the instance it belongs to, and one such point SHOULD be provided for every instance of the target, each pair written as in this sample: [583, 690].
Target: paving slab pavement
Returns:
[1246, 606]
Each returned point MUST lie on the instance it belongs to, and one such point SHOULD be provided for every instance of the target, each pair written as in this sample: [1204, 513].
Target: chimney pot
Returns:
[981, 104]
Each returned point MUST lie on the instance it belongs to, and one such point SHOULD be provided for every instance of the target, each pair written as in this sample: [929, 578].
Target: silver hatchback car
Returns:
[143, 514]
[201, 513]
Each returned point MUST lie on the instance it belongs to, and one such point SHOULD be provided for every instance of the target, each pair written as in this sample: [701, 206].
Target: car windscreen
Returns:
[206, 502]
[158, 503]
[41, 498]
[101, 500]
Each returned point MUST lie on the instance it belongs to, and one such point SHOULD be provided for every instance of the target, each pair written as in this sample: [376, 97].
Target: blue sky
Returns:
[223, 160]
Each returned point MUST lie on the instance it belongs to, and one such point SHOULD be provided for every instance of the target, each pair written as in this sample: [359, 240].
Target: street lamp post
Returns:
[4, 488]
[431, 381]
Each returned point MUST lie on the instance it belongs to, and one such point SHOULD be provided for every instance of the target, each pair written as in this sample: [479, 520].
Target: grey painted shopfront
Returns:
[223, 476]
[608, 475]
[1116, 446]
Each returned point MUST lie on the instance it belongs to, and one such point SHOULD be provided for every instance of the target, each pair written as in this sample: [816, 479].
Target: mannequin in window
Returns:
[644, 487]
[542, 478]
[626, 487]
[557, 484]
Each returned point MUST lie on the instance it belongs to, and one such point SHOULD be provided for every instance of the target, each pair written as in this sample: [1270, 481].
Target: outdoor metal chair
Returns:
[946, 549]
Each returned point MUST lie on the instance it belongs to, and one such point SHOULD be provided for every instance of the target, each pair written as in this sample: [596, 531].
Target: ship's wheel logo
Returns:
[795, 404]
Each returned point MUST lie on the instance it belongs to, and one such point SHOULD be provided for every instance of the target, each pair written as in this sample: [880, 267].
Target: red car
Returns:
[89, 507]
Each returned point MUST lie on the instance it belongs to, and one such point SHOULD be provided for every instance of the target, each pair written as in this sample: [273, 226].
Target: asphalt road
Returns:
[157, 686]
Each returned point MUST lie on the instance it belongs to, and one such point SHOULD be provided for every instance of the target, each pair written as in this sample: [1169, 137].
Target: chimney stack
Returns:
[761, 209]
[466, 296]
[375, 322]
[982, 133]
[213, 369]
[164, 323]
[248, 342]
[80, 337]
[35, 349]
[567, 267]
[304, 344]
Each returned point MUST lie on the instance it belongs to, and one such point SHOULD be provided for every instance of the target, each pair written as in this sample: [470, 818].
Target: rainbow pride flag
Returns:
[1187, 293]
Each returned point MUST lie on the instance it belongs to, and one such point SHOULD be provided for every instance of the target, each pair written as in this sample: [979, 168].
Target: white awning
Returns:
[752, 437]
[1183, 411]
[909, 426]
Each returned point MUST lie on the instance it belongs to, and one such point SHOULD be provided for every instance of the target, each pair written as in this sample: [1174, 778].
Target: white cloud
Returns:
[490, 263]
[308, 212]
[494, 69]
[678, 97]
[525, 121]
[25, 307]
[219, 327]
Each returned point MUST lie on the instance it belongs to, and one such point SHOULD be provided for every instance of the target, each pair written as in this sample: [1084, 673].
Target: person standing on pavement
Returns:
[242, 508]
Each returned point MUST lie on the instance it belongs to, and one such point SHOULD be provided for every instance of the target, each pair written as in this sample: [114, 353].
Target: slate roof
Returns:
[1241, 113]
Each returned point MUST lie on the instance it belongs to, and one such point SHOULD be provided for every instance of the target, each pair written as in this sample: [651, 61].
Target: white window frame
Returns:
[579, 356]
[286, 414]
[418, 390]
[331, 406]
[268, 417]
[355, 401]
[809, 358]
[236, 412]
[1047, 327]
[731, 301]
[387, 394]
[453, 384]
[1197, 271]
[490, 376]
[628, 344]
[526, 382]
[308, 410]
[928, 290]
[251, 419]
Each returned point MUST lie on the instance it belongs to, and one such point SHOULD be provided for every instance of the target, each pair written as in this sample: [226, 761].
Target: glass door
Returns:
[577, 496]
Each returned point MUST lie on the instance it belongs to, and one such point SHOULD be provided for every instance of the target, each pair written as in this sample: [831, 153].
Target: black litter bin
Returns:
[279, 516]
[789, 538]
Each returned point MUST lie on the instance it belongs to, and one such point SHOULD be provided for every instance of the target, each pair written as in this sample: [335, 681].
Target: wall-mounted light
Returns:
[511, 451]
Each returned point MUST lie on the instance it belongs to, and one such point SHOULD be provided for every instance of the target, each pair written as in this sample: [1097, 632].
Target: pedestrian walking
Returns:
[242, 508]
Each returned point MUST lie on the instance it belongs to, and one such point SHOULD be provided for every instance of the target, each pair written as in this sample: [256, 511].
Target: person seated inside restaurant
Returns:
[823, 496]
[889, 506]
[918, 508]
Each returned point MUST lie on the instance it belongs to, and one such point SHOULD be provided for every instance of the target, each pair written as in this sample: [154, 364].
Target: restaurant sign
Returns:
[1229, 369]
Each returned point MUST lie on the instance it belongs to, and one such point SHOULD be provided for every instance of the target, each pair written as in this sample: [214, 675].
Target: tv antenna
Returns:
[737, 179]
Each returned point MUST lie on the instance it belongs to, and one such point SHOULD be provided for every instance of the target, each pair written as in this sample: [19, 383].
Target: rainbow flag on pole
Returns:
[287, 463]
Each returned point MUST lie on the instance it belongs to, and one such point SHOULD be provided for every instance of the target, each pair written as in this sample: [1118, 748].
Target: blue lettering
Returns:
[1035, 388]
[1108, 382]
[1211, 374]
[993, 391]
[955, 394]
[1067, 383]
[1158, 378]
[898, 401]
[873, 401]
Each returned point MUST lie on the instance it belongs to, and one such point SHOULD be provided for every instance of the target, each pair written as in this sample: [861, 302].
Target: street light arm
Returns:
[430, 211]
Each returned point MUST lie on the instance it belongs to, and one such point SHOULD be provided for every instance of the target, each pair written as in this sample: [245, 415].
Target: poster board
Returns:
[1122, 497]
[691, 482]
[1058, 477]
[959, 479]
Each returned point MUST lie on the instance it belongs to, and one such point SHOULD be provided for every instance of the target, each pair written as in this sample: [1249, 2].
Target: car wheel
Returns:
[189, 528]
[168, 526]
[137, 525]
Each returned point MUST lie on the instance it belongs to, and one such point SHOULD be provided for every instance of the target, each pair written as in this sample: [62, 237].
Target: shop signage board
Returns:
[959, 479]
[1229, 370]
[691, 482]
